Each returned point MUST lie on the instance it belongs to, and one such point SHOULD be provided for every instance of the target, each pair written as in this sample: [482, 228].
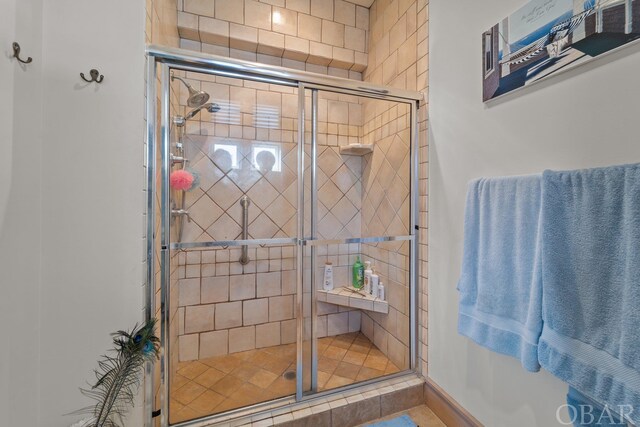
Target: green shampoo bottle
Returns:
[358, 274]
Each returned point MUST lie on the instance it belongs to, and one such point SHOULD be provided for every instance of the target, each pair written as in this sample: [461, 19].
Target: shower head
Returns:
[196, 98]
[211, 107]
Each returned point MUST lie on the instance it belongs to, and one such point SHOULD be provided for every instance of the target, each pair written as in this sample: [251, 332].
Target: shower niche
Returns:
[288, 175]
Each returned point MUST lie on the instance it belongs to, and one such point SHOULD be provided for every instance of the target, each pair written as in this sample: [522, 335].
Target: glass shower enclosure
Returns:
[258, 178]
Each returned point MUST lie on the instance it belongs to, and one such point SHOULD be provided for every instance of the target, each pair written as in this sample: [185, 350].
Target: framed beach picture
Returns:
[545, 37]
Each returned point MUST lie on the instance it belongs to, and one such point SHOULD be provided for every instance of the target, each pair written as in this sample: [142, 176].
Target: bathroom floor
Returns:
[421, 415]
[210, 386]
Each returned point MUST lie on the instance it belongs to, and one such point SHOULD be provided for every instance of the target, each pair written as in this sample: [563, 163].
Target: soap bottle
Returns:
[367, 277]
[358, 274]
[327, 283]
[381, 293]
[373, 283]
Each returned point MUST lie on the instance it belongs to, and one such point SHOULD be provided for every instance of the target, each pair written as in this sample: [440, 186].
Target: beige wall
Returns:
[591, 120]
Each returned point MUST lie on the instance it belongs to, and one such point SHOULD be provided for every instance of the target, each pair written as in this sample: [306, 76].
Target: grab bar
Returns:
[245, 202]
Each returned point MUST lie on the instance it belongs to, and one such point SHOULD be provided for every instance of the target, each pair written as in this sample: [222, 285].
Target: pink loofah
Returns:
[181, 180]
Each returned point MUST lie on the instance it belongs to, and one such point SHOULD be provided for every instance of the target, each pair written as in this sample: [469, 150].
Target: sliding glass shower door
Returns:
[260, 184]
[358, 195]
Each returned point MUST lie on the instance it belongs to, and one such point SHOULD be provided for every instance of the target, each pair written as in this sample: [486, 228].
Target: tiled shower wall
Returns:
[227, 307]
[386, 212]
[398, 57]
[321, 33]
[396, 51]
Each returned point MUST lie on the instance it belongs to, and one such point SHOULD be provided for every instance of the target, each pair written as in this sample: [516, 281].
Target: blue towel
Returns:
[500, 285]
[585, 412]
[591, 282]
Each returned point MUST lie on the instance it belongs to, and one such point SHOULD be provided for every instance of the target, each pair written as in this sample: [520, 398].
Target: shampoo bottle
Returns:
[327, 283]
[373, 283]
[367, 277]
[358, 274]
[381, 292]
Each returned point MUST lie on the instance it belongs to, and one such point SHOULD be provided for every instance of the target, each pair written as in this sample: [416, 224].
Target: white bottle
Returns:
[327, 283]
[381, 294]
[367, 277]
[375, 279]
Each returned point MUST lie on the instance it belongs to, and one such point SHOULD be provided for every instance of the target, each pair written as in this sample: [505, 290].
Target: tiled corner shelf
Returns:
[356, 149]
[346, 298]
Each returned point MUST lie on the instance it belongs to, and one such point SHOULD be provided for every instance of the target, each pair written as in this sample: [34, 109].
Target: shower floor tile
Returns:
[210, 386]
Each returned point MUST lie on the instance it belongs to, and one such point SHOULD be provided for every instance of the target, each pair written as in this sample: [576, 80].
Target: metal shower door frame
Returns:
[167, 59]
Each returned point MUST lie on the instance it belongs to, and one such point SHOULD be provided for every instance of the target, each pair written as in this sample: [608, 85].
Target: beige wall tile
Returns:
[332, 33]
[255, 311]
[214, 343]
[270, 43]
[299, 5]
[355, 38]
[322, 9]
[268, 335]
[243, 38]
[289, 282]
[362, 17]
[342, 58]
[320, 54]
[398, 33]
[232, 11]
[214, 31]
[407, 53]
[257, 14]
[189, 291]
[309, 27]
[345, 12]
[242, 286]
[199, 318]
[188, 345]
[188, 26]
[228, 315]
[199, 7]
[338, 113]
[337, 323]
[284, 21]
[214, 289]
[215, 49]
[288, 331]
[269, 284]
[360, 62]
[242, 339]
[280, 308]
[296, 48]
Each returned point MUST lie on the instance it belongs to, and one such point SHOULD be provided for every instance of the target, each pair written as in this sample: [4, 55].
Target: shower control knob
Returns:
[177, 160]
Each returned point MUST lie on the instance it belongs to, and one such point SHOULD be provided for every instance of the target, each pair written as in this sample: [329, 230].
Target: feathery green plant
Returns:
[119, 376]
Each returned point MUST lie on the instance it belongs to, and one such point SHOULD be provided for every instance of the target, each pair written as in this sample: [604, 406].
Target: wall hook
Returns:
[95, 76]
[16, 54]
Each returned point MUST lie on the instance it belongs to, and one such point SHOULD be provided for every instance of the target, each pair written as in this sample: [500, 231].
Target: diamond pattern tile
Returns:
[205, 212]
[262, 194]
[225, 193]
[329, 161]
[209, 173]
[245, 176]
[224, 228]
[280, 211]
